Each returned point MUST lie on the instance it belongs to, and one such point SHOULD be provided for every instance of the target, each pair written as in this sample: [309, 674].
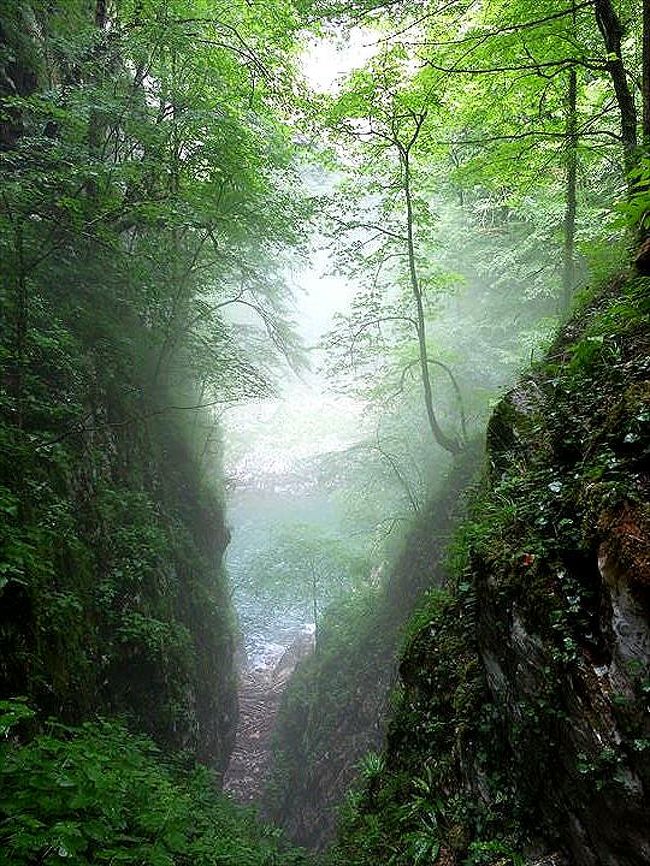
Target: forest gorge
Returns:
[478, 178]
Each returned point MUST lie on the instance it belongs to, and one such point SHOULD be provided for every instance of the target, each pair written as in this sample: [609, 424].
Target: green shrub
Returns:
[98, 794]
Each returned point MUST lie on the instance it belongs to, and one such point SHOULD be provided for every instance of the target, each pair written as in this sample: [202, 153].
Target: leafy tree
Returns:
[120, 181]
[149, 189]
[388, 121]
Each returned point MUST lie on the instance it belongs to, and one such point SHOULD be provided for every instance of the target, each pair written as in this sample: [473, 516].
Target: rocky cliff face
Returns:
[522, 732]
[562, 585]
[112, 596]
[336, 704]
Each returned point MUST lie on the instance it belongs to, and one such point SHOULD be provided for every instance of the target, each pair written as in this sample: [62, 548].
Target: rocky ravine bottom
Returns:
[260, 694]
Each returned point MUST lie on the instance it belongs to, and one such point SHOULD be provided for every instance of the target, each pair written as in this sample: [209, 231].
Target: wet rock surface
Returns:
[261, 685]
[524, 714]
[564, 606]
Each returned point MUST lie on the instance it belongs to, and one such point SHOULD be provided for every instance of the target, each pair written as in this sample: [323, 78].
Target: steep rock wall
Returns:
[563, 628]
[522, 732]
[336, 704]
[112, 594]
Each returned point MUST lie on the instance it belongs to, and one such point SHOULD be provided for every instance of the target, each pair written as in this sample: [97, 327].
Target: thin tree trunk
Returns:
[21, 329]
[95, 122]
[568, 271]
[645, 82]
[612, 32]
[642, 230]
[314, 596]
[19, 79]
[100, 14]
[406, 487]
[453, 446]
[178, 281]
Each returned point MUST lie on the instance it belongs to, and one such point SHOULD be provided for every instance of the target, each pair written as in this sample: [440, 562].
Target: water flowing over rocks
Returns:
[262, 681]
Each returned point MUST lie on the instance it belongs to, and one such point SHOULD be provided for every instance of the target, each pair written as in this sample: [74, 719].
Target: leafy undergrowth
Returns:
[411, 807]
[506, 733]
[98, 794]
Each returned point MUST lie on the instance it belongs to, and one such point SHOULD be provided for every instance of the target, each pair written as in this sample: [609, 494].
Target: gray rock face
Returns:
[629, 619]
[302, 646]
[564, 637]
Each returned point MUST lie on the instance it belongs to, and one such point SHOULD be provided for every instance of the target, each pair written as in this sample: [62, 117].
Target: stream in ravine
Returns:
[261, 685]
[275, 634]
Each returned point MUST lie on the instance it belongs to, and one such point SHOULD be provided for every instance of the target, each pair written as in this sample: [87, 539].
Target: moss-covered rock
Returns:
[113, 598]
[523, 725]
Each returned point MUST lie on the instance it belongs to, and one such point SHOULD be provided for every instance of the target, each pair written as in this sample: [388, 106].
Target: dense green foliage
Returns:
[486, 161]
[98, 794]
[490, 161]
[148, 194]
[131, 226]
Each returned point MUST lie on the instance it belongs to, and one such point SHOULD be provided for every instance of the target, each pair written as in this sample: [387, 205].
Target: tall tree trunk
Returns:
[17, 79]
[568, 270]
[95, 124]
[645, 79]
[178, 310]
[314, 598]
[101, 14]
[21, 317]
[453, 446]
[643, 230]
[612, 32]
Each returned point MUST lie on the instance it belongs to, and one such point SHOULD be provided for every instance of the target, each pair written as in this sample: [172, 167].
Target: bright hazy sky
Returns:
[321, 294]
[325, 60]
[306, 420]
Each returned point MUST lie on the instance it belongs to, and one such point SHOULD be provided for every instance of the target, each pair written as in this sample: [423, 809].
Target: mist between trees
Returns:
[166, 171]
